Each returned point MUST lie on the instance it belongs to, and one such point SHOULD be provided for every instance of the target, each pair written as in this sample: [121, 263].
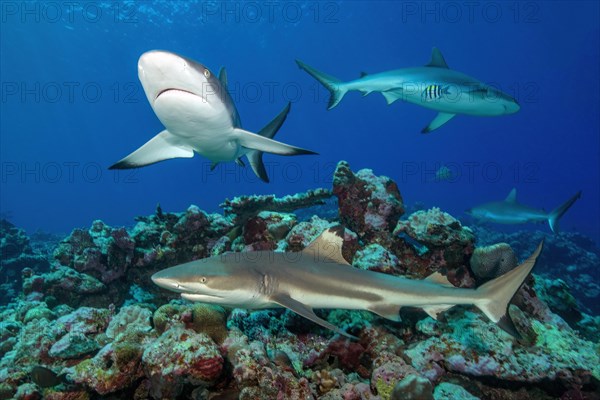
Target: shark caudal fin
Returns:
[497, 293]
[269, 131]
[558, 212]
[161, 147]
[335, 86]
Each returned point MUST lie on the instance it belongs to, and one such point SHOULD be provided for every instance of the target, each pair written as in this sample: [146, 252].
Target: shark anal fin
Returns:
[387, 311]
[435, 311]
[438, 121]
[392, 95]
[327, 247]
[307, 312]
[161, 147]
[437, 59]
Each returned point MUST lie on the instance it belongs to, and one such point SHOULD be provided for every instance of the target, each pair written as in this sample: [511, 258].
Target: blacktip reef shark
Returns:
[433, 86]
[320, 277]
[200, 116]
[510, 211]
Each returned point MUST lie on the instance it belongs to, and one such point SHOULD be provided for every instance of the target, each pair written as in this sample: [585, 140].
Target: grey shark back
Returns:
[510, 211]
[434, 86]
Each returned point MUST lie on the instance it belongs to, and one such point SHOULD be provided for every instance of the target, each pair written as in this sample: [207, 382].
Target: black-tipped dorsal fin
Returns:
[327, 247]
[440, 279]
[437, 59]
[223, 77]
[363, 74]
[512, 196]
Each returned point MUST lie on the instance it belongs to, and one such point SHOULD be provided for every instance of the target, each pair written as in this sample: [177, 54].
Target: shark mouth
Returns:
[177, 90]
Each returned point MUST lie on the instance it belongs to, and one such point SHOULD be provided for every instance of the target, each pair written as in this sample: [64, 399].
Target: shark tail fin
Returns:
[336, 87]
[269, 131]
[558, 212]
[496, 294]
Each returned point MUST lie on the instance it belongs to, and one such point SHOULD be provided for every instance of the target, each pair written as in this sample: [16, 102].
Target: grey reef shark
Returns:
[510, 211]
[433, 86]
[199, 116]
[320, 277]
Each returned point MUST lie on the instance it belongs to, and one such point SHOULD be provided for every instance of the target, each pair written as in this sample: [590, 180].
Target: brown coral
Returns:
[492, 261]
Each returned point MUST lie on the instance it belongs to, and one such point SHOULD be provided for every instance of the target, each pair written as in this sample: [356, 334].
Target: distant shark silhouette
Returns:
[433, 86]
[510, 211]
[199, 114]
[320, 277]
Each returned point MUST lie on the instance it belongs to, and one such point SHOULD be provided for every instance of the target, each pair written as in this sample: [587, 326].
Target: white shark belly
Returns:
[207, 128]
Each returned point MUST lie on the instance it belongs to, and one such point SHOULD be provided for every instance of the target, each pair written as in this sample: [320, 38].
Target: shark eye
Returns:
[207, 73]
[203, 279]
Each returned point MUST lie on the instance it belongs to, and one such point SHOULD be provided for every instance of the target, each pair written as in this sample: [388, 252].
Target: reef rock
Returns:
[492, 261]
[369, 205]
[101, 251]
[181, 356]
[16, 254]
[470, 344]
[242, 208]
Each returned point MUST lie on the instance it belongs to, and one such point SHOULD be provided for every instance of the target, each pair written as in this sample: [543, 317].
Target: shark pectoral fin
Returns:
[269, 131]
[327, 247]
[392, 95]
[213, 166]
[307, 312]
[435, 311]
[240, 162]
[438, 121]
[387, 311]
[256, 142]
[161, 147]
[439, 279]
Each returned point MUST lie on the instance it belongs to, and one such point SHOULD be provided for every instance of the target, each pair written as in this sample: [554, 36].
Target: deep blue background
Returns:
[56, 145]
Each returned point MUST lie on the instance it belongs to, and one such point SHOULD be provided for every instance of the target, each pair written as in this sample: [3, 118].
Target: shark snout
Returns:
[165, 282]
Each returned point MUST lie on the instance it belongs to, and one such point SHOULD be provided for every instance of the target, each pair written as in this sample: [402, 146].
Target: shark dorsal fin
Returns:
[437, 59]
[223, 77]
[512, 196]
[440, 279]
[328, 246]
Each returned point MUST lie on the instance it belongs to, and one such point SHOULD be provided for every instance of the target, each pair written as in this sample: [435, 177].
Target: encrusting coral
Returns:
[492, 261]
[96, 319]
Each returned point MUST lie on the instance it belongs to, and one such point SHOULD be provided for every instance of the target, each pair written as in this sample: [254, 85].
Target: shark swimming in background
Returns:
[199, 115]
[510, 211]
[320, 277]
[433, 86]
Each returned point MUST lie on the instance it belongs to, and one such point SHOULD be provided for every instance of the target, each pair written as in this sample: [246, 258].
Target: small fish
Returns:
[434, 92]
[45, 377]
[444, 174]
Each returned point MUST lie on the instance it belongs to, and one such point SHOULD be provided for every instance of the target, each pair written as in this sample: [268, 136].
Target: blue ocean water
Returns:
[72, 104]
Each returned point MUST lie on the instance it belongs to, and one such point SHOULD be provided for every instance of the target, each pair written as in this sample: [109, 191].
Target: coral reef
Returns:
[242, 208]
[492, 261]
[95, 322]
[570, 255]
[16, 255]
[369, 205]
